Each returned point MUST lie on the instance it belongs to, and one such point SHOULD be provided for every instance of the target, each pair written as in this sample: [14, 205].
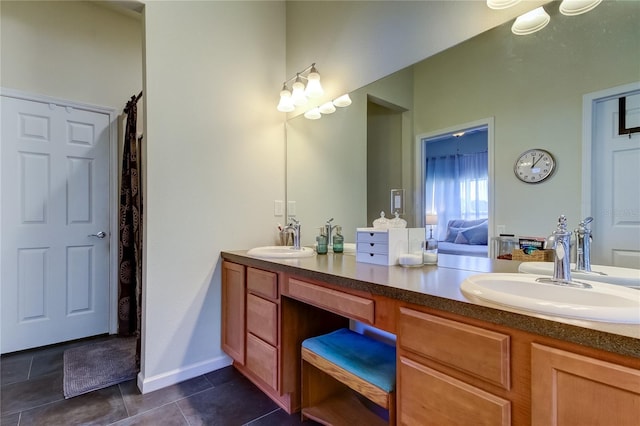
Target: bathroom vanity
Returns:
[456, 360]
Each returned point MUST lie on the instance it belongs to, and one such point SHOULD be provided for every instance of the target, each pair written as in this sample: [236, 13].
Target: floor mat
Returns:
[99, 365]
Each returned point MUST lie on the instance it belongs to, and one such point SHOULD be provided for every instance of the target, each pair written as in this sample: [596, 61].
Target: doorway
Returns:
[456, 182]
[58, 189]
[611, 172]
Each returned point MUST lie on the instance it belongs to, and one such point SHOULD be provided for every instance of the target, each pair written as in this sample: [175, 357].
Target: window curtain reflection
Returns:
[456, 187]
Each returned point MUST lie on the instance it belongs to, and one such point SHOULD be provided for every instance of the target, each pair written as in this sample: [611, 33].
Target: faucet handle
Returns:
[585, 222]
[329, 221]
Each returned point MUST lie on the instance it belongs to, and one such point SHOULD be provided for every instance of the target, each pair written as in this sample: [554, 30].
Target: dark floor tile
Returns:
[167, 415]
[31, 393]
[10, 420]
[233, 403]
[280, 418]
[100, 407]
[47, 363]
[14, 368]
[223, 375]
[138, 403]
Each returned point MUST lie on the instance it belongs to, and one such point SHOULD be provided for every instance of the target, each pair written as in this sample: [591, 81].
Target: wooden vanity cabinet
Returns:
[233, 311]
[263, 331]
[442, 365]
[572, 389]
[262, 326]
[451, 369]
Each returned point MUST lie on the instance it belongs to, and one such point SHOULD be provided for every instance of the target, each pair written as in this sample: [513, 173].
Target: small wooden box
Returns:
[535, 256]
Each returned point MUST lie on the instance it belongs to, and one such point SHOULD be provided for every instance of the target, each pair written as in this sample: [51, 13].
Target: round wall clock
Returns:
[534, 166]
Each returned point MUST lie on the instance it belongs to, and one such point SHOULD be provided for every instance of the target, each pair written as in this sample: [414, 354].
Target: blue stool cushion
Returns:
[369, 359]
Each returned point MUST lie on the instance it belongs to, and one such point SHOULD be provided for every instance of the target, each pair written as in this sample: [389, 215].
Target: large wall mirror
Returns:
[531, 88]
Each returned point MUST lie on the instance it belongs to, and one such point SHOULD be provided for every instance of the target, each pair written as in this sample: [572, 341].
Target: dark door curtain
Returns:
[130, 223]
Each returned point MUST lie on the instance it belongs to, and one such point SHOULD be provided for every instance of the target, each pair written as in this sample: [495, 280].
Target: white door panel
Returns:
[616, 183]
[55, 193]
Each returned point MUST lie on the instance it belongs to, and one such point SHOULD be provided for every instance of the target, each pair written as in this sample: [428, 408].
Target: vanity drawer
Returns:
[427, 396]
[379, 248]
[472, 350]
[372, 237]
[376, 259]
[262, 360]
[262, 282]
[262, 319]
[345, 304]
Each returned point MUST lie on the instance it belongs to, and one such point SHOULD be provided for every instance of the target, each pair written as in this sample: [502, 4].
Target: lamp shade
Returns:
[577, 7]
[314, 88]
[313, 114]
[286, 103]
[531, 22]
[342, 101]
[431, 219]
[327, 108]
[501, 4]
[298, 96]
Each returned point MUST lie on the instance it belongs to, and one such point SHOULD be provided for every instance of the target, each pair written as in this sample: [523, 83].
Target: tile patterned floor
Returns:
[31, 395]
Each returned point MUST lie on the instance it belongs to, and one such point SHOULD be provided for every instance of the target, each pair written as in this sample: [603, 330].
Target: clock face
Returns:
[534, 166]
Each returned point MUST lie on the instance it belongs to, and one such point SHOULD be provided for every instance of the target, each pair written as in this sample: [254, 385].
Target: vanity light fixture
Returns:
[577, 7]
[328, 107]
[537, 19]
[531, 22]
[300, 93]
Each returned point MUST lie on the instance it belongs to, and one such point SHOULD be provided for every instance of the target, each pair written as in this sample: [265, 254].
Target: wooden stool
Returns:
[336, 362]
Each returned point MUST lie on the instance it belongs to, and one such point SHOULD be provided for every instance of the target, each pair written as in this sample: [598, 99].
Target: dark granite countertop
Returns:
[438, 287]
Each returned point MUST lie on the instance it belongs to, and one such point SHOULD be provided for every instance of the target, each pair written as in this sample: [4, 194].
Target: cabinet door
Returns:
[233, 310]
[428, 397]
[571, 389]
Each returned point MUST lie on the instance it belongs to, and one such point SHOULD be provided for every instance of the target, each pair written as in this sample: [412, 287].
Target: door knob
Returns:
[100, 234]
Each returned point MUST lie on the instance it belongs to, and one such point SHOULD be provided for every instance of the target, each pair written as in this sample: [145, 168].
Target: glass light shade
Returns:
[314, 88]
[501, 4]
[431, 219]
[286, 103]
[577, 7]
[298, 96]
[342, 101]
[327, 108]
[531, 22]
[313, 114]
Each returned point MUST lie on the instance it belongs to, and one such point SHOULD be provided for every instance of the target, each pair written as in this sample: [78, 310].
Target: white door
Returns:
[616, 186]
[55, 195]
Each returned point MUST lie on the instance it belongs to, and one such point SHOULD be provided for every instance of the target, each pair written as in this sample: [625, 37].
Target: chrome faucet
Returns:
[561, 244]
[583, 245]
[294, 228]
[329, 228]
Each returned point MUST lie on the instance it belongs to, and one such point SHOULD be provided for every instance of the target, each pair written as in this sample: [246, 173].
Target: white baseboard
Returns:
[159, 381]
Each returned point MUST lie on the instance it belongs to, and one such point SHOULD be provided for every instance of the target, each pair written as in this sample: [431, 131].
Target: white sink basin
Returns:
[602, 302]
[612, 274]
[281, 252]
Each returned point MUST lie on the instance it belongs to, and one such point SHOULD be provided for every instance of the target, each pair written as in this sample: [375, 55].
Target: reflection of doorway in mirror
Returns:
[456, 187]
[615, 198]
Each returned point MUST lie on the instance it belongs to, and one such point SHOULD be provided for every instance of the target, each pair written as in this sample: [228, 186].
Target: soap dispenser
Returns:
[321, 247]
[338, 240]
